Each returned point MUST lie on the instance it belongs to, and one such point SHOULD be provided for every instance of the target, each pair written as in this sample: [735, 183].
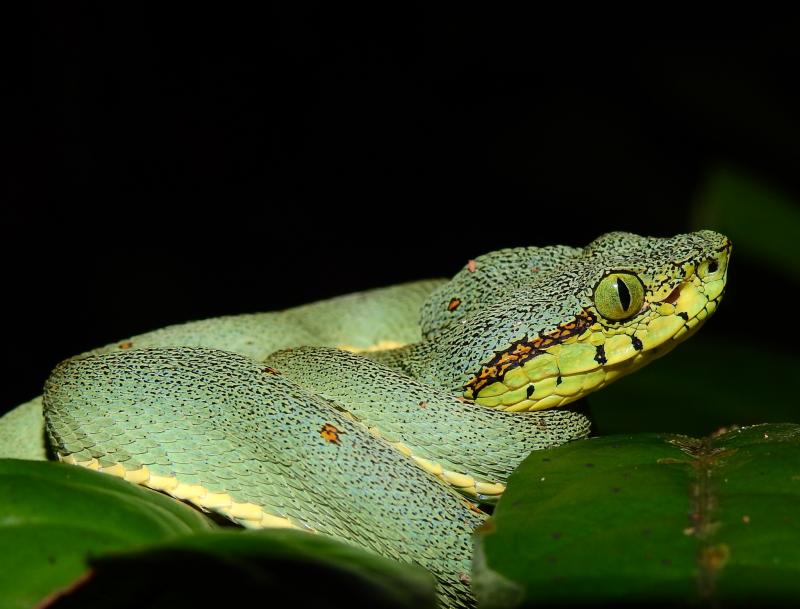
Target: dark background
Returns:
[192, 165]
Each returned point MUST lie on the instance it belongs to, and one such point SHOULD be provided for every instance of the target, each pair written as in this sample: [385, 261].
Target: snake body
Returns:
[383, 418]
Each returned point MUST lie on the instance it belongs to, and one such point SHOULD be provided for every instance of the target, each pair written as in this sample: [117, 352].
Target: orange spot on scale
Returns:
[474, 508]
[522, 350]
[270, 370]
[489, 372]
[453, 305]
[472, 266]
[126, 345]
[330, 433]
[507, 357]
[505, 367]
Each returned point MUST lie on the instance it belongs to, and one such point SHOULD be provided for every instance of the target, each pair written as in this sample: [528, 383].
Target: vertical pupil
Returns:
[624, 294]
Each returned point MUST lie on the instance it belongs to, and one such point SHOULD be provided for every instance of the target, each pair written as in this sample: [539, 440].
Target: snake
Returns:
[389, 418]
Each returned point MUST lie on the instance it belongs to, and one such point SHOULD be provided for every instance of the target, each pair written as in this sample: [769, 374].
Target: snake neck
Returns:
[422, 362]
[400, 359]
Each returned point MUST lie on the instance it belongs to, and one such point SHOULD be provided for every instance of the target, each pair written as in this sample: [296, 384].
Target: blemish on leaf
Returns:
[722, 431]
[714, 557]
[487, 526]
[671, 461]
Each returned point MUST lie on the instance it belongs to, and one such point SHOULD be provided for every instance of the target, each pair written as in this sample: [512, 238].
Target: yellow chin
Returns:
[570, 370]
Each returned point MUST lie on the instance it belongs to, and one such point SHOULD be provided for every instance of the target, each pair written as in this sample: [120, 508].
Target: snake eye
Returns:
[619, 296]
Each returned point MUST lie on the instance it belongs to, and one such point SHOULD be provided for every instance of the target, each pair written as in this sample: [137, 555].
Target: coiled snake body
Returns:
[384, 418]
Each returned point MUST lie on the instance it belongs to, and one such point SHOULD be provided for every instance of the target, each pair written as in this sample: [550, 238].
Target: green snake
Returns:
[385, 418]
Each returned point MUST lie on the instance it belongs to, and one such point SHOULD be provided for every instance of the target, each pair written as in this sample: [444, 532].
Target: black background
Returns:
[204, 163]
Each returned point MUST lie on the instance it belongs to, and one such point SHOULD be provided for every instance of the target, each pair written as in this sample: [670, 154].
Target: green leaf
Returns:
[71, 535]
[652, 518]
[54, 517]
[232, 568]
[694, 391]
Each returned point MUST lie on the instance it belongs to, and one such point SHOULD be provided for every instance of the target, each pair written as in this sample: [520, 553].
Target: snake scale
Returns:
[385, 418]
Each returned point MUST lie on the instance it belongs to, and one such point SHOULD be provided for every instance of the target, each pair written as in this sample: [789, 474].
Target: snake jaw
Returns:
[580, 364]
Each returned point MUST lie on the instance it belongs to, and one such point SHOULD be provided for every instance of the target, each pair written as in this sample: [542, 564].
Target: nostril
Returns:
[713, 265]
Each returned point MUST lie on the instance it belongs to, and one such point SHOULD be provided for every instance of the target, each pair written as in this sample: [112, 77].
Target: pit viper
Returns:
[385, 418]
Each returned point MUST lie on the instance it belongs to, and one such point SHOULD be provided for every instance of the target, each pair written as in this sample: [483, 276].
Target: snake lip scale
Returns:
[384, 418]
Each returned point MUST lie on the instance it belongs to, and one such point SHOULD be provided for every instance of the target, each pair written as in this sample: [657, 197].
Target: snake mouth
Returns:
[598, 355]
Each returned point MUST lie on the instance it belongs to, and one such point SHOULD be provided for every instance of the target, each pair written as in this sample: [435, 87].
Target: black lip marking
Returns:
[600, 356]
[523, 350]
[637, 343]
[684, 315]
[530, 390]
[559, 380]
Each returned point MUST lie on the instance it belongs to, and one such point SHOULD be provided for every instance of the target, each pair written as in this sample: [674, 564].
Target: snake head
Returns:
[614, 306]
